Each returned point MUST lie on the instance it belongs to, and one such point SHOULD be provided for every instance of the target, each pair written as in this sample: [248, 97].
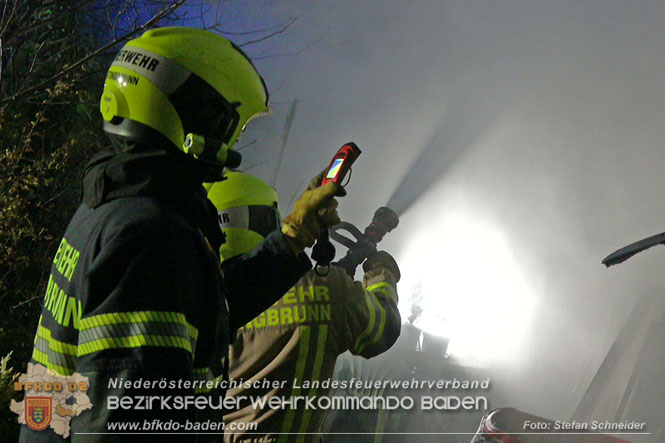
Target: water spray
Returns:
[467, 120]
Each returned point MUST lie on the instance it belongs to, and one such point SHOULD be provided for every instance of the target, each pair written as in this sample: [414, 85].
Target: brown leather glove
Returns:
[316, 208]
[384, 260]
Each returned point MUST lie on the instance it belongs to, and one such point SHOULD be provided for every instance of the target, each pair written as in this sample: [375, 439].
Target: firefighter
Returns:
[290, 349]
[136, 301]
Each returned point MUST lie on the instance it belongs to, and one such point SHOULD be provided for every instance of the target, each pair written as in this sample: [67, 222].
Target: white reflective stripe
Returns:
[162, 72]
[234, 217]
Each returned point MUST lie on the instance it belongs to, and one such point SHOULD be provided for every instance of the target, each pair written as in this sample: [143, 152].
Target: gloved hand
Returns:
[316, 182]
[385, 260]
[316, 208]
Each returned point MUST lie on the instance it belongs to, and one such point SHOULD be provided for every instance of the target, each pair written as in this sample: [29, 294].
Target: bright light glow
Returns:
[473, 290]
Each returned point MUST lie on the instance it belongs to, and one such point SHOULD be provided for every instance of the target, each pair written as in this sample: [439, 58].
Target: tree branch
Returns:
[256, 164]
[272, 34]
[146, 25]
[244, 146]
[258, 31]
[289, 54]
[71, 11]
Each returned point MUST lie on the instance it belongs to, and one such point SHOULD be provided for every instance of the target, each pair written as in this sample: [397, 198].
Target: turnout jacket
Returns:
[136, 293]
[290, 350]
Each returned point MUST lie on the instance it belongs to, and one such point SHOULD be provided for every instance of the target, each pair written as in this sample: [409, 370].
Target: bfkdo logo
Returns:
[38, 412]
[50, 400]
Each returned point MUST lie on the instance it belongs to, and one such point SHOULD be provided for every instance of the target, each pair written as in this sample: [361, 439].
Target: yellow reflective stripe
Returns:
[381, 325]
[316, 374]
[320, 351]
[134, 329]
[42, 358]
[115, 318]
[193, 332]
[55, 345]
[300, 372]
[52, 353]
[39, 325]
[134, 341]
[370, 325]
[376, 290]
[385, 289]
[375, 330]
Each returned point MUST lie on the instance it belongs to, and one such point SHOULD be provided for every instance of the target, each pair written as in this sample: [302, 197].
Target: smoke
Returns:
[540, 122]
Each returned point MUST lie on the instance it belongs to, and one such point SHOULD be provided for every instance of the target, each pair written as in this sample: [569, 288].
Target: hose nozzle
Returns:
[384, 221]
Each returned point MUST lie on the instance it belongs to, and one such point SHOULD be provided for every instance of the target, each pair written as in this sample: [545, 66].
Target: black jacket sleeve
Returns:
[256, 280]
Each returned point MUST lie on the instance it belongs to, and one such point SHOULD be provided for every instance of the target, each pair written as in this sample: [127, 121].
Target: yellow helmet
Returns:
[183, 86]
[247, 210]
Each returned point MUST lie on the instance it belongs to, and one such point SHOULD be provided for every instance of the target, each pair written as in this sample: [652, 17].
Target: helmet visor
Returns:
[204, 111]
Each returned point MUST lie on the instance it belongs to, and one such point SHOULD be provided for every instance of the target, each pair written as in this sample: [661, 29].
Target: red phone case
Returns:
[341, 163]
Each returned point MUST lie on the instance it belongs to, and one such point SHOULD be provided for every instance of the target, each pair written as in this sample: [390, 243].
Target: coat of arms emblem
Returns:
[38, 412]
